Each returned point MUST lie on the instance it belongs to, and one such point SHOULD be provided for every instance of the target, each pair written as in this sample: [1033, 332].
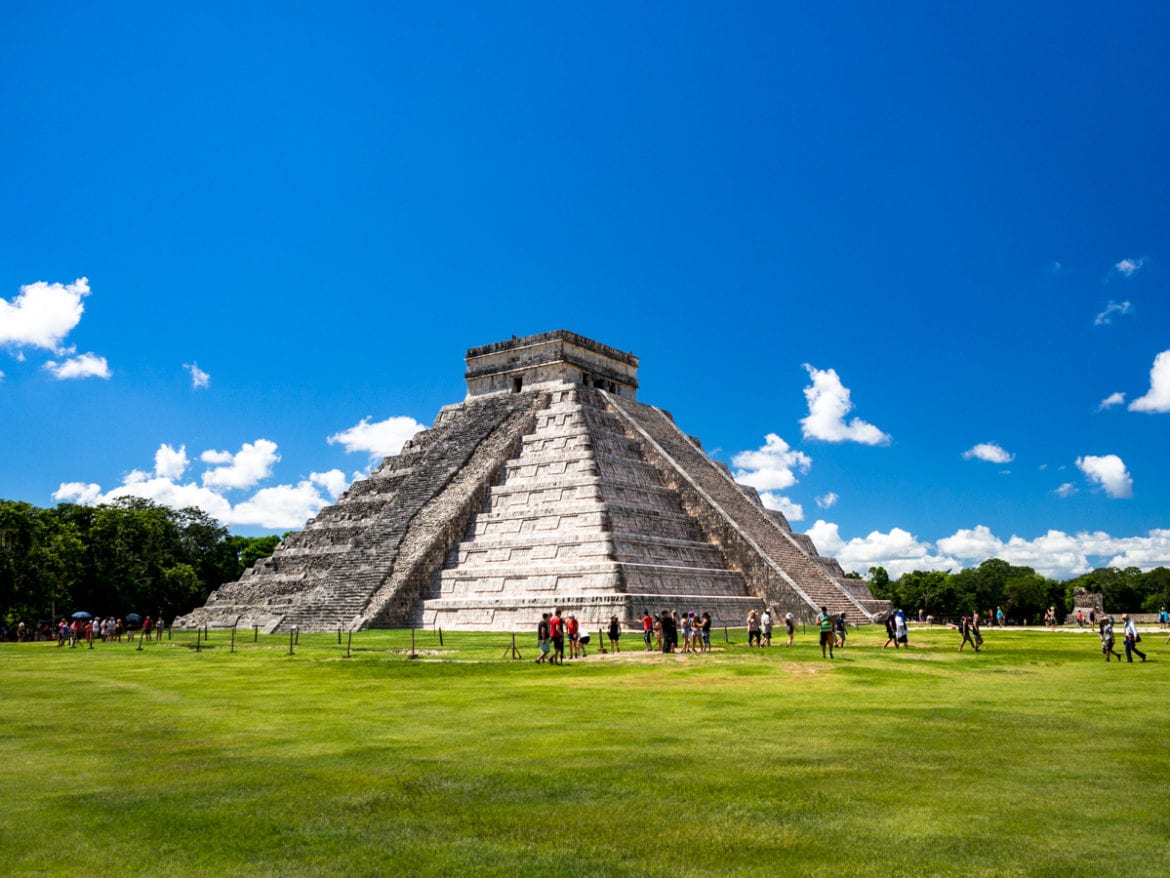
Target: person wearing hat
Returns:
[1107, 638]
[1131, 639]
[790, 626]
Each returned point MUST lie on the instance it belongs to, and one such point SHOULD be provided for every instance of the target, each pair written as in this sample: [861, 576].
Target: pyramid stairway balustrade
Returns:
[770, 558]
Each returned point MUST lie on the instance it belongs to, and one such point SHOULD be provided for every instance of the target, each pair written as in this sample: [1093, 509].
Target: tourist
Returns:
[542, 638]
[825, 623]
[753, 628]
[556, 632]
[1106, 634]
[1163, 617]
[1080, 619]
[976, 634]
[688, 632]
[647, 628]
[669, 632]
[999, 617]
[159, 625]
[839, 626]
[658, 633]
[1132, 639]
[766, 626]
[706, 629]
[573, 630]
[790, 627]
[965, 630]
[900, 628]
[891, 631]
[615, 633]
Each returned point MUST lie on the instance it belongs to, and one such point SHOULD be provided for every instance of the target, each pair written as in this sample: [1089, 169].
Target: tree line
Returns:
[1022, 592]
[131, 555]
[134, 555]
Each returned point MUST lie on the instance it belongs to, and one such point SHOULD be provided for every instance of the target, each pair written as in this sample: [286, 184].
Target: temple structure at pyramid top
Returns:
[549, 486]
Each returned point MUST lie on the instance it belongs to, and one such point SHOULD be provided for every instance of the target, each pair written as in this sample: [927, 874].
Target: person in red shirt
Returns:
[574, 632]
[647, 628]
[556, 630]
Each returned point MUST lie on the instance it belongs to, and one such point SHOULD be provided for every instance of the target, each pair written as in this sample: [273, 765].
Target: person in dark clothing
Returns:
[669, 632]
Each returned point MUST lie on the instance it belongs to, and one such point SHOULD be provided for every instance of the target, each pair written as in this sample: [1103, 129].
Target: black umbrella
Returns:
[133, 618]
[81, 614]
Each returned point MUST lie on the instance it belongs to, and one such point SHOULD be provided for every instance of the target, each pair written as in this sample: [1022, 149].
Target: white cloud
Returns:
[199, 378]
[42, 314]
[1157, 399]
[1127, 267]
[1111, 310]
[792, 511]
[83, 366]
[169, 463]
[772, 466]
[1066, 490]
[83, 493]
[251, 464]
[828, 404]
[1055, 554]
[898, 551]
[1111, 400]
[827, 501]
[379, 439]
[989, 451]
[1109, 472]
[276, 507]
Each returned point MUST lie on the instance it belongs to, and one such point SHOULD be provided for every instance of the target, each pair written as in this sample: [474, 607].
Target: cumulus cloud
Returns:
[828, 404]
[1157, 399]
[275, 507]
[1066, 490]
[1126, 267]
[898, 551]
[247, 467]
[199, 378]
[792, 511]
[772, 466]
[1055, 554]
[1108, 471]
[827, 501]
[82, 366]
[1113, 309]
[379, 439]
[42, 314]
[989, 451]
[1111, 400]
[169, 463]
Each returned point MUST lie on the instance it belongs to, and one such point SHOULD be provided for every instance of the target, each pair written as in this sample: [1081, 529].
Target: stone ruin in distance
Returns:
[549, 486]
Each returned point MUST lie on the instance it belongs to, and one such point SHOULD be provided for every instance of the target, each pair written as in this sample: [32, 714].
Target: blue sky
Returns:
[904, 267]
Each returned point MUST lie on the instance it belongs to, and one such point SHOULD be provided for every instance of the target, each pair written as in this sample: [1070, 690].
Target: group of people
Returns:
[1130, 636]
[896, 631]
[760, 625]
[551, 633]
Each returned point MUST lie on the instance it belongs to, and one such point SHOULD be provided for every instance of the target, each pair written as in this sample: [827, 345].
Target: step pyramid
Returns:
[550, 486]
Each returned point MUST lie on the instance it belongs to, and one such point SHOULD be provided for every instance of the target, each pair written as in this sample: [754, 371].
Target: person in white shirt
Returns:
[1131, 639]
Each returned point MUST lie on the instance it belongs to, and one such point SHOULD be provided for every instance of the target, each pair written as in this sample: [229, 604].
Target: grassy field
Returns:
[1034, 757]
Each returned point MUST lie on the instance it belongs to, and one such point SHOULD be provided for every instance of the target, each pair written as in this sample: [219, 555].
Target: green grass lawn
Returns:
[1034, 757]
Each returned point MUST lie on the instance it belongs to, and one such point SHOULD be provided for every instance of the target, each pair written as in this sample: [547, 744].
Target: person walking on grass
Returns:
[1131, 640]
[1107, 638]
[753, 628]
[891, 631]
[825, 624]
[615, 633]
[976, 635]
[839, 628]
[965, 630]
[543, 642]
[647, 629]
[790, 627]
[705, 625]
[900, 629]
[766, 626]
